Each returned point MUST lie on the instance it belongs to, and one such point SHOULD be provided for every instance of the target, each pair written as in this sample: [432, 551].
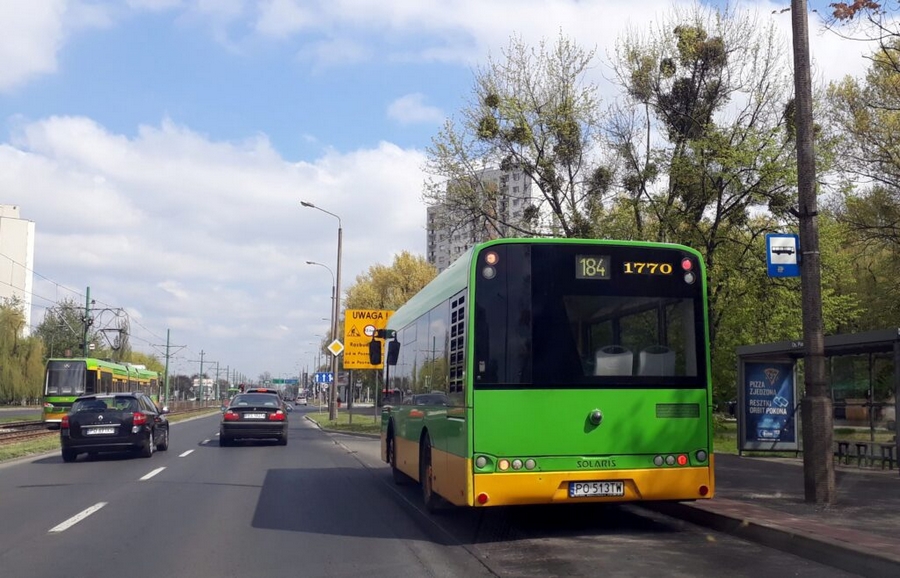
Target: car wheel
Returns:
[426, 477]
[149, 446]
[164, 444]
[69, 456]
[400, 478]
[224, 441]
[282, 441]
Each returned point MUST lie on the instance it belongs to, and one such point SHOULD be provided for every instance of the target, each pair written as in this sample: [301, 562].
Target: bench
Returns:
[887, 455]
[865, 453]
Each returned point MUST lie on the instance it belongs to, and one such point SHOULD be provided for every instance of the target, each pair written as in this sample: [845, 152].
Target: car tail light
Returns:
[138, 418]
[278, 416]
[64, 424]
[231, 416]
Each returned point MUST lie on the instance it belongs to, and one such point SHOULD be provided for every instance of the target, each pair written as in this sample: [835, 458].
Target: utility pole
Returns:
[166, 370]
[86, 322]
[815, 407]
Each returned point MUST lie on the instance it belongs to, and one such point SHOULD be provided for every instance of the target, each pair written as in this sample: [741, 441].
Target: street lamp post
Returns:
[332, 391]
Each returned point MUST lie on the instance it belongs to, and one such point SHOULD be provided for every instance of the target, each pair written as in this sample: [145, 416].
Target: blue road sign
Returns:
[324, 377]
[782, 255]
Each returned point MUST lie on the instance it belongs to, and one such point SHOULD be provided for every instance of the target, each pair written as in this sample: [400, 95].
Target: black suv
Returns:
[109, 422]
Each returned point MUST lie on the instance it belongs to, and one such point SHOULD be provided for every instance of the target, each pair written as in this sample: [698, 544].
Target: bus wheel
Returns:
[400, 478]
[426, 477]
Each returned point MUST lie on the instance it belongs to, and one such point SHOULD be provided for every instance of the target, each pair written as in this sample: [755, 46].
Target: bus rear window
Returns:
[541, 322]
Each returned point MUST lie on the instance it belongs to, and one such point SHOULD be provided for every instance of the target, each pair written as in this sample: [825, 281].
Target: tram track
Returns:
[18, 431]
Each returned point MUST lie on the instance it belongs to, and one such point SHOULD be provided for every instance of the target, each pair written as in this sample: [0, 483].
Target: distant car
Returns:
[114, 422]
[266, 390]
[254, 415]
[301, 399]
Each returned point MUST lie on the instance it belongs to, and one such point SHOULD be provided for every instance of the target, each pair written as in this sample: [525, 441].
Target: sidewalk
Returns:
[762, 500]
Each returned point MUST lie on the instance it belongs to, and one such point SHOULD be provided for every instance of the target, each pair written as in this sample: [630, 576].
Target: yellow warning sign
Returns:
[359, 327]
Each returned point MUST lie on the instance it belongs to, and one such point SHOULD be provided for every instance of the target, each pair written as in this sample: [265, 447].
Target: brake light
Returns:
[277, 416]
[231, 416]
[138, 418]
[64, 424]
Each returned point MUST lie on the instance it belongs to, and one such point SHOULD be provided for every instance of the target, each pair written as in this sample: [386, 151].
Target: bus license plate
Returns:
[254, 416]
[596, 489]
[100, 430]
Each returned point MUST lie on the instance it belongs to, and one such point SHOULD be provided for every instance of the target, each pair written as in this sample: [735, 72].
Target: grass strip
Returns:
[361, 423]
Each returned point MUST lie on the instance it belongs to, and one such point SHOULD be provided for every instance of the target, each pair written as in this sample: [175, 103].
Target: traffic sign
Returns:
[782, 255]
[360, 326]
[324, 377]
[335, 347]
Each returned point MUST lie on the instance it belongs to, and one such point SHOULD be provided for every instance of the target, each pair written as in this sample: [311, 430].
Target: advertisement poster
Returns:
[769, 396]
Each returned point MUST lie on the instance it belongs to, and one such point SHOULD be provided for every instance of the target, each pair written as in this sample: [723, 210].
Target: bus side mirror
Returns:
[375, 352]
[393, 352]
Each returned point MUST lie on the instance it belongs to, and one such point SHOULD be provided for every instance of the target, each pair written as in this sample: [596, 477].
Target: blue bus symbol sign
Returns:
[782, 255]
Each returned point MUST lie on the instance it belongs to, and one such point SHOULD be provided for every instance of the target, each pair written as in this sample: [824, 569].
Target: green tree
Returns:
[865, 117]
[21, 358]
[708, 158]
[532, 111]
[62, 329]
[389, 287]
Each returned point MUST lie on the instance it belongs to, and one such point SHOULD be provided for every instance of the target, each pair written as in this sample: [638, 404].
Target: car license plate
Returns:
[100, 430]
[596, 489]
[254, 416]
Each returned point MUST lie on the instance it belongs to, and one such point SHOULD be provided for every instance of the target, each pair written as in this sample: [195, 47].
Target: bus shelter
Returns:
[863, 377]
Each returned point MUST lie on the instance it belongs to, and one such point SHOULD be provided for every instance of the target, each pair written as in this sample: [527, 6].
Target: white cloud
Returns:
[208, 237]
[30, 36]
[411, 109]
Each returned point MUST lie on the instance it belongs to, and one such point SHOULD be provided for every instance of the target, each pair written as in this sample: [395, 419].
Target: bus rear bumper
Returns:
[664, 484]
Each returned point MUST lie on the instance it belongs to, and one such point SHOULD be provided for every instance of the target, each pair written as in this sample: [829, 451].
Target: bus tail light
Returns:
[673, 460]
[491, 258]
[483, 498]
[703, 491]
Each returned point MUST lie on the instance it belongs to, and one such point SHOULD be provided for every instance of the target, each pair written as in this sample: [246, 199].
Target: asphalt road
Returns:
[324, 505]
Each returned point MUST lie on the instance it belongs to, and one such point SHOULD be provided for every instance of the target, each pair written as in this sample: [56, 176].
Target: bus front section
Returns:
[590, 379]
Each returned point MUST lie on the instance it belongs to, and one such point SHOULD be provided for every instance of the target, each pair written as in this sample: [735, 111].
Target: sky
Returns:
[162, 148]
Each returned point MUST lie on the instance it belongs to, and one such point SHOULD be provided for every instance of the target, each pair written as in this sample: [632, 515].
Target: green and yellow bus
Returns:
[539, 371]
[67, 378]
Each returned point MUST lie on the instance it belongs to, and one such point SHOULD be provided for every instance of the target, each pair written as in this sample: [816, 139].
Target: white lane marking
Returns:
[186, 453]
[153, 473]
[76, 518]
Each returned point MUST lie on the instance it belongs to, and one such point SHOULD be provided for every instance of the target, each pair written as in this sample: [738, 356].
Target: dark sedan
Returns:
[114, 422]
[254, 416]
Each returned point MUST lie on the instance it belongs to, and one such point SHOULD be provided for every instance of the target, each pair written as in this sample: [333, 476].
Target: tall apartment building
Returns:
[449, 236]
[16, 259]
